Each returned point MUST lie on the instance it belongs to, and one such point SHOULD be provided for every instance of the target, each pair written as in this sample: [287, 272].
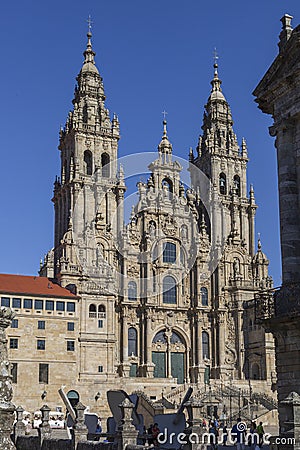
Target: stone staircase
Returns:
[241, 401]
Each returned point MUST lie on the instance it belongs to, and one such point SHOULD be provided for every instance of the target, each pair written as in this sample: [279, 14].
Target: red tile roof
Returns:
[35, 286]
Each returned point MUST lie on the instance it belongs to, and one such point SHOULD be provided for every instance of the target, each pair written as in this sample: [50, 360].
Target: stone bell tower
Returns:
[231, 223]
[87, 217]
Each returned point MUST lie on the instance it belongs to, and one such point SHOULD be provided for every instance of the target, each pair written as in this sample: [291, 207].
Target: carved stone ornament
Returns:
[6, 407]
[133, 271]
[230, 352]
[169, 226]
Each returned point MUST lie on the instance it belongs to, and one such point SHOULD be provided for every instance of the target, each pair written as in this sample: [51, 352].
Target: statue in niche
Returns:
[152, 229]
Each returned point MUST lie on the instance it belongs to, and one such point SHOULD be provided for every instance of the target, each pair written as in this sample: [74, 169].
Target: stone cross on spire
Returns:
[89, 21]
[216, 57]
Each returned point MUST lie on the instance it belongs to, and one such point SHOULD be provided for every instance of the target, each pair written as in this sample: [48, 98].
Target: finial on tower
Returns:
[165, 146]
[89, 54]
[258, 242]
[216, 57]
[89, 21]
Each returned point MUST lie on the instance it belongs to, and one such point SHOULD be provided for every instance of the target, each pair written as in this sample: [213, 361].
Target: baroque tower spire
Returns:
[88, 146]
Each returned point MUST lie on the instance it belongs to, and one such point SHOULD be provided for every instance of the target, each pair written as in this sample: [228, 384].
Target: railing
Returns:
[175, 392]
[275, 303]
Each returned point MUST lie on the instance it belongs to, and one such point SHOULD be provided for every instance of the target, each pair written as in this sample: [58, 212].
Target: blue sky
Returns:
[153, 56]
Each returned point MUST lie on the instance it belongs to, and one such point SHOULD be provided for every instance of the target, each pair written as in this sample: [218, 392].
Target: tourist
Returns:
[99, 426]
[155, 433]
[225, 435]
[213, 436]
[150, 434]
[260, 431]
[252, 441]
[238, 434]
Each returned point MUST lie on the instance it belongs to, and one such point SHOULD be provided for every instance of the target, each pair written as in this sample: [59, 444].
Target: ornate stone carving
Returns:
[6, 407]
[230, 352]
[169, 226]
[133, 271]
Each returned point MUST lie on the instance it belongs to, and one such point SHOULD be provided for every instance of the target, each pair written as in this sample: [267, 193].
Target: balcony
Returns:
[278, 303]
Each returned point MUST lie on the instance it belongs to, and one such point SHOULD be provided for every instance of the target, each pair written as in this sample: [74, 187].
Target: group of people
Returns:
[152, 434]
[239, 435]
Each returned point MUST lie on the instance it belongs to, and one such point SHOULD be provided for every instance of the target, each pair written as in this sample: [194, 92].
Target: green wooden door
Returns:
[159, 359]
[207, 375]
[177, 366]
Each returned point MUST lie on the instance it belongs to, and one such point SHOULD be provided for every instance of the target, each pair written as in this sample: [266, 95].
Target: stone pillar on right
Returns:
[278, 94]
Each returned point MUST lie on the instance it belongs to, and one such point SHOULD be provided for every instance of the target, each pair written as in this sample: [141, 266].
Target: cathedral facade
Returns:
[166, 299]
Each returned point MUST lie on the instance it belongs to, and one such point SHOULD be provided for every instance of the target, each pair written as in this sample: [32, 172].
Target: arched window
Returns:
[105, 165]
[205, 345]
[132, 342]
[92, 311]
[132, 290]
[222, 183]
[169, 253]
[160, 337]
[255, 372]
[101, 312]
[176, 339]
[167, 183]
[204, 296]
[169, 290]
[237, 185]
[88, 162]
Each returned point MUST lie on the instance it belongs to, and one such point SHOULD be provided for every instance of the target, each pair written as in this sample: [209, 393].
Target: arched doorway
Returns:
[169, 355]
[255, 372]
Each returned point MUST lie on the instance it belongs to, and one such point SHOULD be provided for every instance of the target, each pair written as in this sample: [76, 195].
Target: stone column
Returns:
[80, 430]
[288, 201]
[169, 368]
[45, 430]
[20, 428]
[221, 339]
[7, 408]
[194, 430]
[125, 365]
[127, 434]
[149, 363]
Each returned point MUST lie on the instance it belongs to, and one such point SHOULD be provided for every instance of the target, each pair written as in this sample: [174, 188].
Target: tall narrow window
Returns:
[205, 345]
[88, 162]
[132, 291]
[222, 183]
[44, 373]
[169, 253]
[204, 296]
[105, 165]
[132, 342]
[169, 290]
[237, 185]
